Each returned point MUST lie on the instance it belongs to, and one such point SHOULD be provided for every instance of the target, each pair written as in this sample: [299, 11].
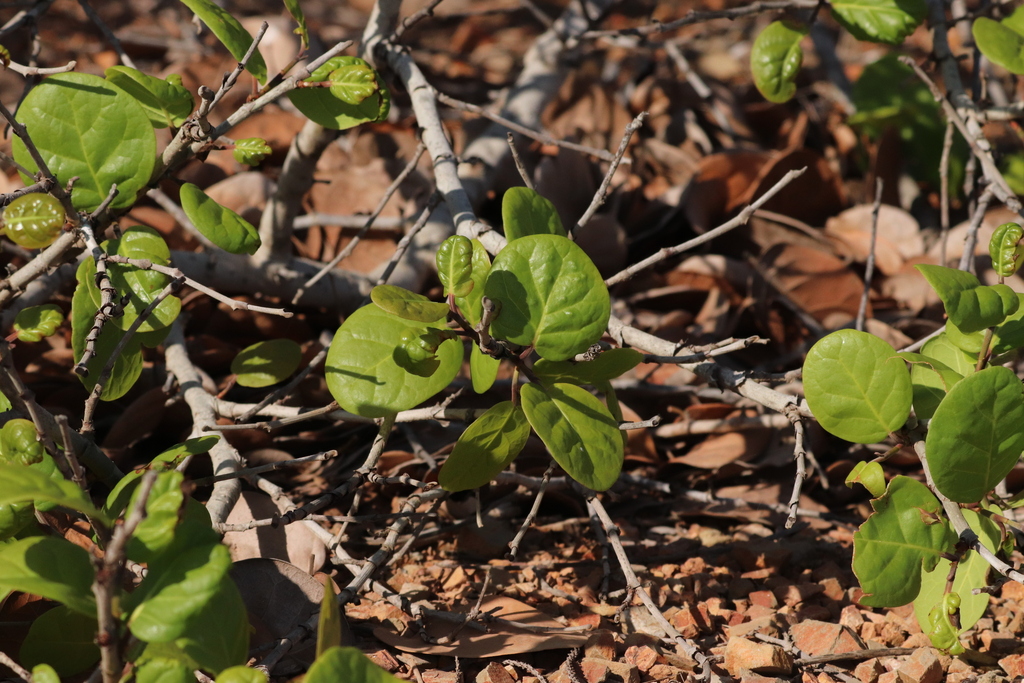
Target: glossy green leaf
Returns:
[19, 484]
[155, 532]
[939, 626]
[969, 304]
[346, 664]
[880, 21]
[417, 350]
[19, 443]
[62, 638]
[33, 220]
[856, 386]
[231, 33]
[470, 305]
[869, 475]
[220, 225]
[905, 534]
[975, 437]
[326, 109]
[483, 369]
[118, 498]
[775, 59]
[265, 363]
[524, 212]
[353, 83]
[127, 365]
[329, 626]
[251, 151]
[166, 103]
[217, 637]
[932, 380]
[486, 448]
[241, 674]
[578, 430]
[164, 670]
[1009, 336]
[1006, 249]
[141, 286]
[44, 673]
[296, 11]
[971, 343]
[971, 573]
[408, 305]
[180, 593]
[945, 351]
[362, 374]
[455, 265]
[36, 322]
[607, 366]
[1002, 41]
[50, 567]
[551, 296]
[84, 126]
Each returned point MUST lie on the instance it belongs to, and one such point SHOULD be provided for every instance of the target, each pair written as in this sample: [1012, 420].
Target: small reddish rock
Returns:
[665, 672]
[764, 599]
[869, 671]
[386, 661]
[921, 667]
[761, 658]
[889, 677]
[600, 645]
[1013, 665]
[688, 621]
[438, 676]
[494, 673]
[642, 657]
[822, 638]
[851, 616]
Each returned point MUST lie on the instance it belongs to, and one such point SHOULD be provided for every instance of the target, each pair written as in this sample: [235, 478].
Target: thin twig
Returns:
[18, 669]
[513, 546]
[232, 78]
[269, 467]
[519, 162]
[602, 190]
[41, 71]
[869, 269]
[403, 245]
[967, 258]
[800, 455]
[947, 146]
[110, 307]
[107, 33]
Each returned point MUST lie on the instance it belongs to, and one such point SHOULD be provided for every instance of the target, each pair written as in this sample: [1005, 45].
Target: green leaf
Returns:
[524, 212]
[50, 567]
[1012, 166]
[296, 11]
[417, 350]
[217, 637]
[141, 286]
[606, 367]
[118, 498]
[775, 59]
[486, 448]
[971, 343]
[483, 369]
[880, 21]
[35, 322]
[329, 626]
[408, 305]
[975, 438]
[870, 476]
[179, 594]
[362, 374]
[932, 380]
[19, 443]
[322, 106]
[265, 363]
[971, 573]
[1005, 249]
[251, 151]
[969, 304]
[455, 266]
[346, 664]
[166, 103]
[231, 33]
[551, 296]
[33, 220]
[20, 484]
[903, 536]
[62, 638]
[127, 365]
[1009, 336]
[44, 673]
[578, 430]
[15, 518]
[164, 670]
[241, 674]
[1002, 41]
[156, 532]
[220, 225]
[353, 83]
[470, 304]
[84, 126]
[945, 351]
[856, 386]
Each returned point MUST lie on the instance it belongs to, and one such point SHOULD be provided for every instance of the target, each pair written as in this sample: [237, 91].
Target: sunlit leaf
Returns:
[50, 567]
[220, 225]
[267, 362]
[775, 59]
[485, 448]
[525, 212]
[231, 33]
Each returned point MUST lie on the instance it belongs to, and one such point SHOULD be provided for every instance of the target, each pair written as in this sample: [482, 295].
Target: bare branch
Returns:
[602, 190]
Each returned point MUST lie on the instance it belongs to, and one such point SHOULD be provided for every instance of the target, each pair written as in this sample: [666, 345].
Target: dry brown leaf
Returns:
[811, 198]
[899, 235]
[720, 185]
[292, 542]
[718, 450]
[498, 641]
[817, 282]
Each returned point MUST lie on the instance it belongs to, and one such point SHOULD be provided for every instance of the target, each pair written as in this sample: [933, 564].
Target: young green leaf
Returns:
[267, 362]
[856, 386]
[455, 266]
[164, 670]
[775, 59]
[880, 21]
[1006, 249]
[470, 304]
[870, 476]
[524, 212]
[408, 305]
[945, 351]
[975, 438]
[969, 304]
[19, 443]
[486, 448]
[905, 534]
[62, 638]
[296, 11]
[606, 367]
[241, 674]
[220, 225]
[231, 33]
[353, 83]
[329, 626]
[50, 567]
[346, 664]
[483, 369]
[44, 673]
[932, 380]
[322, 106]
[217, 637]
[118, 498]
[84, 126]
[1009, 336]
[141, 286]
[179, 593]
[251, 151]
[1002, 41]
[578, 430]
[36, 322]
[19, 484]
[34, 220]
[417, 350]
[156, 532]
[971, 343]
[166, 103]
[362, 374]
[551, 296]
